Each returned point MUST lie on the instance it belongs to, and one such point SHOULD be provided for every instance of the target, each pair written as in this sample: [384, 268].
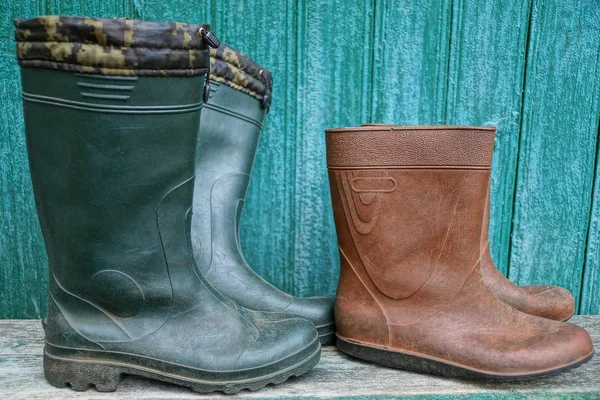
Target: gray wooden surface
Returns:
[336, 376]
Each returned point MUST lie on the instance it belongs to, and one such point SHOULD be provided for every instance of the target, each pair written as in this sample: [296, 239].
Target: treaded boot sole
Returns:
[326, 334]
[83, 373]
[401, 360]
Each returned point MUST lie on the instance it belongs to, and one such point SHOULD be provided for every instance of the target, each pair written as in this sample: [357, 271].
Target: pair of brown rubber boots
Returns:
[418, 289]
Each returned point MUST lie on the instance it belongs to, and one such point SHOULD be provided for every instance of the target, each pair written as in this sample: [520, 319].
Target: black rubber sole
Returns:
[84, 373]
[398, 359]
[326, 334]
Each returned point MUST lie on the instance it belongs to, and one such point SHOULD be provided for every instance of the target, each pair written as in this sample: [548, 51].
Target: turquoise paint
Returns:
[486, 73]
[411, 50]
[590, 291]
[531, 68]
[557, 152]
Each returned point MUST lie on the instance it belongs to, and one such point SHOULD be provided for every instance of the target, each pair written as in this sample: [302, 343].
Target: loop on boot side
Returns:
[240, 72]
[112, 46]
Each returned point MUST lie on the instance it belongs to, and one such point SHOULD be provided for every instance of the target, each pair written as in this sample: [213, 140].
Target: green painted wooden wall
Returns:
[529, 67]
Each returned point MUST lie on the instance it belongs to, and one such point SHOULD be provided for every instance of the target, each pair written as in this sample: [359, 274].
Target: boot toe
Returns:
[565, 348]
[544, 347]
[558, 302]
[284, 341]
[575, 343]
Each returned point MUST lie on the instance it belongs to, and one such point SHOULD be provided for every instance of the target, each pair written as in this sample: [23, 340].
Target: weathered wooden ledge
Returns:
[336, 376]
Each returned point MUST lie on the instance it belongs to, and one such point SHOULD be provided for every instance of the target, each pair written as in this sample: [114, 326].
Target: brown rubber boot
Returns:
[408, 205]
[546, 301]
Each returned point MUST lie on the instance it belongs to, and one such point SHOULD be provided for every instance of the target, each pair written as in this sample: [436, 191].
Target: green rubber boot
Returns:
[231, 122]
[112, 109]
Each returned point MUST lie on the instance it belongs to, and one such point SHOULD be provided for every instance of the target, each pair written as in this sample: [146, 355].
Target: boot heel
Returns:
[80, 375]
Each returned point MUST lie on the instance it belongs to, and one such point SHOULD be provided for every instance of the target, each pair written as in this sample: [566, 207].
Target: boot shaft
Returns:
[111, 117]
[231, 123]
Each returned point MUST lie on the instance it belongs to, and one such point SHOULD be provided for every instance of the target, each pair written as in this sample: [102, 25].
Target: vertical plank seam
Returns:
[519, 133]
[300, 64]
[375, 92]
[371, 66]
[448, 66]
[132, 9]
[138, 9]
[294, 114]
[288, 255]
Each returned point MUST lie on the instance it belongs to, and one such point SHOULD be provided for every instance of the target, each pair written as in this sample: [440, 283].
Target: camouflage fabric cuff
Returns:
[111, 46]
[238, 71]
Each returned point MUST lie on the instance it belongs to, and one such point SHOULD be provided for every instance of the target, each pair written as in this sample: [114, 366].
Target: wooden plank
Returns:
[410, 61]
[333, 80]
[17, 9]
[23, 276]
[558, 144]
[21, 337]
[335, 377]
[22, 254]
[590, 288]
[485, 80]
[97, 9]
[173, 10]
[326, 58]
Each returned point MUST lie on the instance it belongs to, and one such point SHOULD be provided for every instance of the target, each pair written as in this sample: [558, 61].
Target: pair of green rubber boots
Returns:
[139, 196]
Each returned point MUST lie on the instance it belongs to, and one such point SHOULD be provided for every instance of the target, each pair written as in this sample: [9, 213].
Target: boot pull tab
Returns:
[210, 38]
[213, 42]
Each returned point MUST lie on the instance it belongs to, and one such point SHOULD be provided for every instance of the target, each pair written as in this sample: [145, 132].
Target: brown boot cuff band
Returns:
[410, 147]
